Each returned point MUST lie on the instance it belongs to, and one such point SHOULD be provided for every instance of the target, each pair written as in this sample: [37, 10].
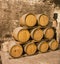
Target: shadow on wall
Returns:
[10, 12]
[57, 2]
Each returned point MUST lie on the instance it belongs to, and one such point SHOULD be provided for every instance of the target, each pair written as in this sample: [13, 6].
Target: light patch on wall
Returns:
[57, 10]
[4, 5]
[31, 1]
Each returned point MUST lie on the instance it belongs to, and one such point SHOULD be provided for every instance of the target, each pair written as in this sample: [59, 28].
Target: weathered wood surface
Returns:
[52, 57]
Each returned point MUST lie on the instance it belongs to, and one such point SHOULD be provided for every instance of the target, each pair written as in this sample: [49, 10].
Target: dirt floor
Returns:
[51, 57]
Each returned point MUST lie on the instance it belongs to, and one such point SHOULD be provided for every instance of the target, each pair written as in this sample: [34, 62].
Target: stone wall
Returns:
[12, 10]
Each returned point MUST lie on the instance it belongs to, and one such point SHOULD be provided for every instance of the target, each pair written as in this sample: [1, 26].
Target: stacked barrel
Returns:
[34, 35]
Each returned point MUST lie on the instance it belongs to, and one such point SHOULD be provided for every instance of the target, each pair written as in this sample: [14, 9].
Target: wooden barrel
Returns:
[30, 48]
[43, 46]
[43, 20]
[53, 44]
[21, 34]
[28, 19]
[37, 34]
[15, 50]
[49, 33]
